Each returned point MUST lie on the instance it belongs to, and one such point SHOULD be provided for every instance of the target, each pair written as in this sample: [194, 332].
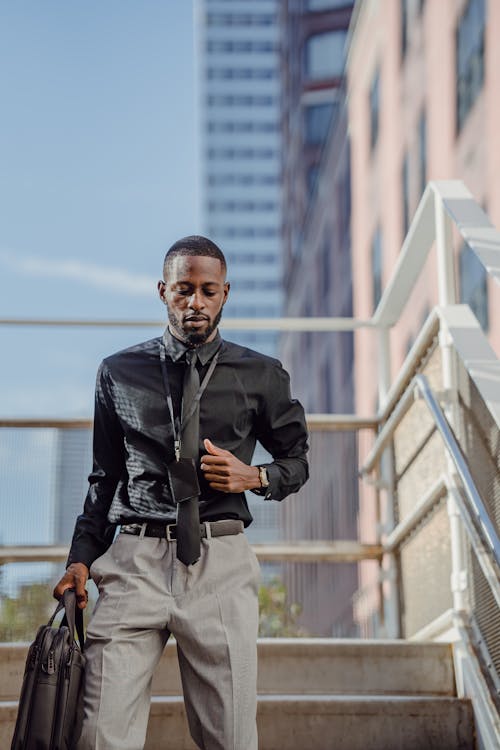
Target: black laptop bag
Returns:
[50, 710]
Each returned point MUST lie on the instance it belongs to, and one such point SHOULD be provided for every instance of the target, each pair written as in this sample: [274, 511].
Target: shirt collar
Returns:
[176, 349]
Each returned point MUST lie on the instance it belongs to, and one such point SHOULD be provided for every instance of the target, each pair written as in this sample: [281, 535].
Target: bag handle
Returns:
[73, 615]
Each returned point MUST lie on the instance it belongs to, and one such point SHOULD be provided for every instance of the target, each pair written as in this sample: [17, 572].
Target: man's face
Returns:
[195, 291]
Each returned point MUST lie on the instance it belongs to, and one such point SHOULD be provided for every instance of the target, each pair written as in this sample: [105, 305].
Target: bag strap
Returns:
[73, 615]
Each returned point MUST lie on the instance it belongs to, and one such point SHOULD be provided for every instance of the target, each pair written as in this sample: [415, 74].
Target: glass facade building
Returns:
[237, 44]
[240, 153]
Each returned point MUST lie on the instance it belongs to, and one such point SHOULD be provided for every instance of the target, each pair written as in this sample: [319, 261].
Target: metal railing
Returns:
[422, 491]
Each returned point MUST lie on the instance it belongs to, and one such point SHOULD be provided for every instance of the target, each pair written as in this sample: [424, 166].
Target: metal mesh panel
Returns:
[485, 617]
[479, 438]
[411, 435]
[420, 475]
[418, 453]
[425, 571]
[432, 366]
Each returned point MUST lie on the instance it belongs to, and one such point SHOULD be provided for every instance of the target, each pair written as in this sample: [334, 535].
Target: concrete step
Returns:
[358, 723]
[342, 666]
[305, 667]
[320, 722]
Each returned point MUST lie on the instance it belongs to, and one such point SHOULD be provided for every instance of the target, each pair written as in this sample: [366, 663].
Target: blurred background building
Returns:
[317, 278]
[238, 72]
[422, 82]
[237, 42]
[72, 466]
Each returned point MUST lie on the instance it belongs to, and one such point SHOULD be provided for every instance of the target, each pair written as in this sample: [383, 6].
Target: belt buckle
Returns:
[168, 529]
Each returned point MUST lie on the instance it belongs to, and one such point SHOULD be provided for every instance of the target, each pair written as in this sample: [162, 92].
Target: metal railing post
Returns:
[447, 289]
[389, 565]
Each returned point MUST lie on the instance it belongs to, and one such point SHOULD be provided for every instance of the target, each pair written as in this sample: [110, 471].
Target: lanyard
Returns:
[176, 423]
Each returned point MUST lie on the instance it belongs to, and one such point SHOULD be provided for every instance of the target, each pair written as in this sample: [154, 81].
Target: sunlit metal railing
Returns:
[426, 536]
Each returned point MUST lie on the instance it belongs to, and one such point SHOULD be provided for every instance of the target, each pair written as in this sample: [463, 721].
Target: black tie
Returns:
[188, 513]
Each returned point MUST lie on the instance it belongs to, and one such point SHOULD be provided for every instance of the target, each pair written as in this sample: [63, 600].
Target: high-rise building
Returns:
[240, 153]
[73, 465]
[240, 158]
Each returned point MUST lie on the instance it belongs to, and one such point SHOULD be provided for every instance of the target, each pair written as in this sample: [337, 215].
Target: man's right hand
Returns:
[76, 577]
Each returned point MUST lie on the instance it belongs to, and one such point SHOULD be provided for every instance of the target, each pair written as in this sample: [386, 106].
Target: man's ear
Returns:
[161, 291]
[227, 287]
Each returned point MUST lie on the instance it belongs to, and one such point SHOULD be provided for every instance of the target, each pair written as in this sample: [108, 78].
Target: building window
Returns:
[255, 284]
[241, 153]
[241, 206]
[241, 127]
[216, 45]
[405, 192]
[470, 57]
[224, 74]
[268, 259]
[240, 19]
[474, 285]
[317, 122]
[325, 282]
[243, 231]
[377, 267]
[422, 151]
[404, 27]
[312, 178]
[230, 100]
[327, 4]
[374, 109]
[325, 55]
[242, 179]
[327, 388]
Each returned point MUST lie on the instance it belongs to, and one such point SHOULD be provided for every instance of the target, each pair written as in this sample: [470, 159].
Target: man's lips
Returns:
[196, 319]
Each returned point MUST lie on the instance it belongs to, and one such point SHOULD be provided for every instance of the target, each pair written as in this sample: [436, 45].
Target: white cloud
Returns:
[103, 277]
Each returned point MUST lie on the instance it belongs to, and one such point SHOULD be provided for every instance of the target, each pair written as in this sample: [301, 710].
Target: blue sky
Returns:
[98, 176]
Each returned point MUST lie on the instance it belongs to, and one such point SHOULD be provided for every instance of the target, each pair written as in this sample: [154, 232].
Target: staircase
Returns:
[314, 694]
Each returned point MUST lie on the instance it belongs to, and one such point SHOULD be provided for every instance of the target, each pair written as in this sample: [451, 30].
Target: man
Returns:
[180, 563]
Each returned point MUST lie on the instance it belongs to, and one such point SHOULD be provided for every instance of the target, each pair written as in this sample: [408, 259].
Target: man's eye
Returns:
[210, 294]
[183, 292]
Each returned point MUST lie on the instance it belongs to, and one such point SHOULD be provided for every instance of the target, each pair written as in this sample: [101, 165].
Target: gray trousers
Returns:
[211, 608]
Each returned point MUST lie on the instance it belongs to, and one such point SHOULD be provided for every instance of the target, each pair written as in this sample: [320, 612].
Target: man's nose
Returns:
[196, 301]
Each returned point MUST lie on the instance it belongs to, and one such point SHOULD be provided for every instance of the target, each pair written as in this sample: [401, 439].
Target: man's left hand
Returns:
[226, 473]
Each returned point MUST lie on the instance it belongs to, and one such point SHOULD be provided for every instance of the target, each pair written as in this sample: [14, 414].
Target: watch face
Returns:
[264, 479]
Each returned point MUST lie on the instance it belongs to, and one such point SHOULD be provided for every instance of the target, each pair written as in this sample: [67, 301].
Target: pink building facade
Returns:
[423, 83]
[404, 129]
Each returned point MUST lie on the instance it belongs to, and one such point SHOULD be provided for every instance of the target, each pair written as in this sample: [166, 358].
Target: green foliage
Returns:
[278, 618]
[21, 616]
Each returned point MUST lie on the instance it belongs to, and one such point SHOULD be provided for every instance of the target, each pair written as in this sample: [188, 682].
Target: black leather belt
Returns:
[208, 529]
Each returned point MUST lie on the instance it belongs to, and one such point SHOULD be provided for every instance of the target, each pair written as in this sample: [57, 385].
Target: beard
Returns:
[194, 338]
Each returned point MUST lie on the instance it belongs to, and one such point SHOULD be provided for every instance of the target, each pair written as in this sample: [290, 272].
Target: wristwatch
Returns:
[263, 476]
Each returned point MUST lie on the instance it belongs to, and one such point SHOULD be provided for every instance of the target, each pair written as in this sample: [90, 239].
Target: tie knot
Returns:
[191, 357]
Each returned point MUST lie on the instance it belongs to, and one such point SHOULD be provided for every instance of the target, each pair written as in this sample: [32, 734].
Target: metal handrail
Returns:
[420, 385]
[302, 550]
[292, 324]
[315, 423]
[474, 500]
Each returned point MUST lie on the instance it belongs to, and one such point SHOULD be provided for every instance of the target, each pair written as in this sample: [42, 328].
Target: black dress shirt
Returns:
[247, 399]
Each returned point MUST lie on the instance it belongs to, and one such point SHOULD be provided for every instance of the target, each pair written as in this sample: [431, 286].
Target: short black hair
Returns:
[194, 245]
